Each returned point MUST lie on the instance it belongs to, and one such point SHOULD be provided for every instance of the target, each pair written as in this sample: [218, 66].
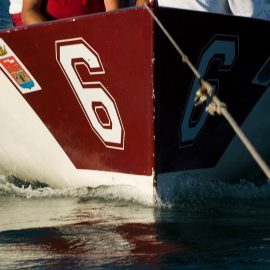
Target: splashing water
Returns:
[112, 226]
[14, 187]
[189, 191]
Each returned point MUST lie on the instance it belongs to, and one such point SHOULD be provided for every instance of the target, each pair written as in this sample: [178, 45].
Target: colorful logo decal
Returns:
[3, 50]
[16, 71]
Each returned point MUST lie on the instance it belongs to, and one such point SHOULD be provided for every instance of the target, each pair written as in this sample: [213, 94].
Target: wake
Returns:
[11, 186]
[190, 191]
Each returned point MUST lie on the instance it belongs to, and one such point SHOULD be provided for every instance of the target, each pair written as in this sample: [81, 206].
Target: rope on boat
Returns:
[216, 106]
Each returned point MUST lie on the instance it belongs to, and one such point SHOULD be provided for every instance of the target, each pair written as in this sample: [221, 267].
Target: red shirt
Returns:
[16, 19]
[58, 9]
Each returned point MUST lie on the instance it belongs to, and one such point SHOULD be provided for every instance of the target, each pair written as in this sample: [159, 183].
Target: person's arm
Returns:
[140, 2]
[31, 12]
[111, 4]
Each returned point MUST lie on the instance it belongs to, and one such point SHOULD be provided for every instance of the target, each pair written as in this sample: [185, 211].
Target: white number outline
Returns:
[113, 138]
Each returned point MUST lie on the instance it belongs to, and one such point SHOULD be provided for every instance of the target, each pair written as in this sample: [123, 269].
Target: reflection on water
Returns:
[84, 233]
[44, 228]
[107, 236]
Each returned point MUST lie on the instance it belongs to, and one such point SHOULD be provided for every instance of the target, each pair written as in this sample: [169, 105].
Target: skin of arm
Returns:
[31, 12]
[111, 4]
[140, 2]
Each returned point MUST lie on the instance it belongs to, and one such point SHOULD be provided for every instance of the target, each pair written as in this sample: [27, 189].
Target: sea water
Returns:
[209, 225]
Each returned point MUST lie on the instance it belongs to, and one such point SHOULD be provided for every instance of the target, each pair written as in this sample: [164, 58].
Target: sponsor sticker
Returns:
[16, 71]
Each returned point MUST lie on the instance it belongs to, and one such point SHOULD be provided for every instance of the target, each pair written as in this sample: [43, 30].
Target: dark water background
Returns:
[208, 226]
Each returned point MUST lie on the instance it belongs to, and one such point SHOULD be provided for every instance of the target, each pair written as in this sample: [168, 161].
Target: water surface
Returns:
[112, 228]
